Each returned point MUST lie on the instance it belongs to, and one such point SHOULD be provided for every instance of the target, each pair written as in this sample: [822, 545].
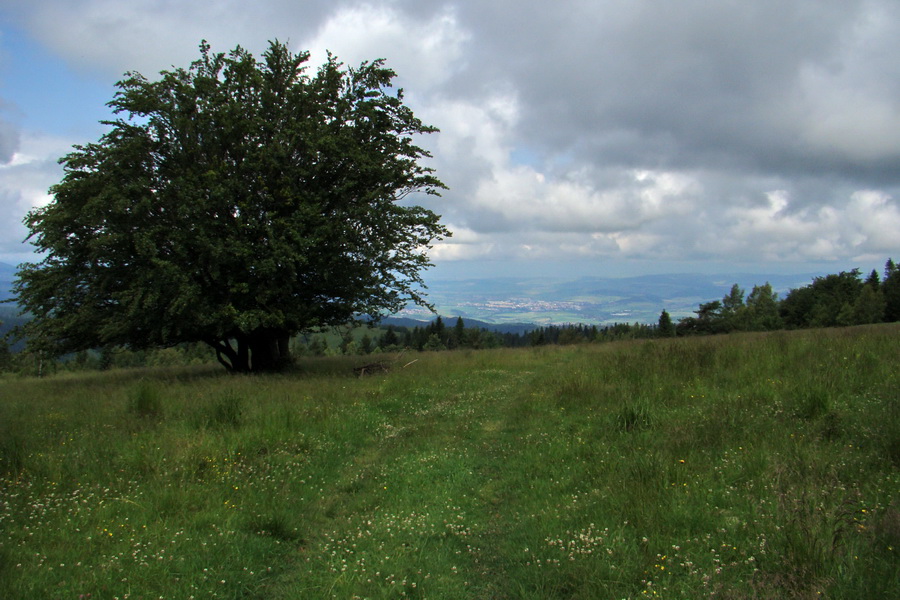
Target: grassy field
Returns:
[743, 466]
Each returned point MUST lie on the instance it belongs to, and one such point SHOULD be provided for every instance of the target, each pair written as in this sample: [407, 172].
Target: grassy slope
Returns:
[753, 466]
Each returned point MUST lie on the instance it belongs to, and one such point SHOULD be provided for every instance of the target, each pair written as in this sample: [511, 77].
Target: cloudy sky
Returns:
[601, 137]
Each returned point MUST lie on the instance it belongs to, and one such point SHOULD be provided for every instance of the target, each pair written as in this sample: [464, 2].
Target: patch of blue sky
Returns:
[541, 161]
[523, 155]
[41, 93]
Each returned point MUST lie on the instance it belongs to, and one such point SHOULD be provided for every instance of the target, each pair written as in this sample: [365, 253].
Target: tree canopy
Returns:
[236, 202]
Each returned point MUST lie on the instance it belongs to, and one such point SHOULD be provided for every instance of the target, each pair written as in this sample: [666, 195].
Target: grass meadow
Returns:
[738, 467]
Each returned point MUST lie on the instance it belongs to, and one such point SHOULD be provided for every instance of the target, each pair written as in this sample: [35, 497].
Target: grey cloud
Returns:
[549, 109]
[678, 85]
[10, 134]
[9, 141]
[636, 84]
[140, 35]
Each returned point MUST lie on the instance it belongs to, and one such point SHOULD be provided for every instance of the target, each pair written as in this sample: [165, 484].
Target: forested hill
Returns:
[589, 300]
[517, 328]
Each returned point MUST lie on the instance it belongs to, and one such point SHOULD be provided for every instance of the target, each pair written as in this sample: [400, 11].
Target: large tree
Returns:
[236, 202]
[820, 303]
[762, 309]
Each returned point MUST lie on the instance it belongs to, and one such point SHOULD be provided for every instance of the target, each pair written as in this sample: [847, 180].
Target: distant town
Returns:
[592, 301]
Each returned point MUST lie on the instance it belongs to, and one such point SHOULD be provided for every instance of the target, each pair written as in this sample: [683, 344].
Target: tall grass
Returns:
[746, 466]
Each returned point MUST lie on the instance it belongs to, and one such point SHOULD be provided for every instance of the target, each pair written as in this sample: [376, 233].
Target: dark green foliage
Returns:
[365, 345]
[389, 339]
[762, 309]
[576, 334]
[436, 336]
[665, 327]
[347, 345]
[434, 343]
[236, 202]
[733, 303]
[710, 319]
[873, 280]
[869, 306]
[318, 346]
[459, 333]
[891, 288]
[758, 313]
[819, 304]
[832, 300]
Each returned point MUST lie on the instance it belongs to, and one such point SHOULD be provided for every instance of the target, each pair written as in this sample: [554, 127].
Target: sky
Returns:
[579, 137]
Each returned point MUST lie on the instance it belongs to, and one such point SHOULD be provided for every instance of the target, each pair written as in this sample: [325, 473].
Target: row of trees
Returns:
[28, 362]
[759, 312]
[331, 342]
[833, 300]
[841, 299]
[434, 336]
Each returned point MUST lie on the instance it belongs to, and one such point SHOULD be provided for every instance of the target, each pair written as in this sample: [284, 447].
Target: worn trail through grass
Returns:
[757, 466]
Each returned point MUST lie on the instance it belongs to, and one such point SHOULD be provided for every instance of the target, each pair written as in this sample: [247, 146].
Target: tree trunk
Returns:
[263, 350]
[269, 350]
[235, 360]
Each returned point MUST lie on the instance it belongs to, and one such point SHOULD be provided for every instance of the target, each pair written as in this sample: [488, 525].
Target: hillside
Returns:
[589, 300]
[741, 466]
[7, 275]
[515, 304]
[449, 321]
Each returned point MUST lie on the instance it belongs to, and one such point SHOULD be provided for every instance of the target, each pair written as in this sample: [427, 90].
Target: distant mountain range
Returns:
[9, 313]
[449, 322]
[589, 300]
[518, 303]
[7, 275]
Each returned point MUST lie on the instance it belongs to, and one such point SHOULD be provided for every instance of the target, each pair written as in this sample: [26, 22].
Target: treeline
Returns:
[33, 363]
[438, 336]
[432, 337]
[842, 299]
[831, 301]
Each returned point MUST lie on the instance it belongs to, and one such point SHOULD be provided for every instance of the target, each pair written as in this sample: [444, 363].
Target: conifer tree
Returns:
[665, 326]
[762, 309]
[459, 332]
[890, 285]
